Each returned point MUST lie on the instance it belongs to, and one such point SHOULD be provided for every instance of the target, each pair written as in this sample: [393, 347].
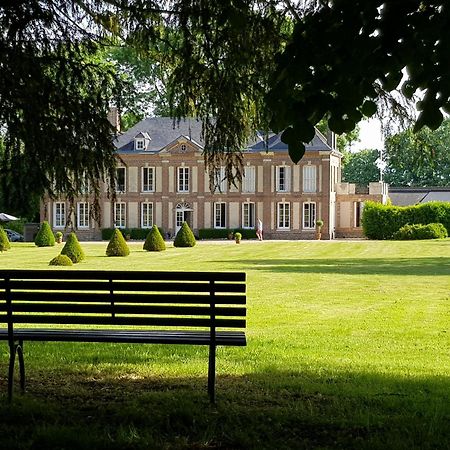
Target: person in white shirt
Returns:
[259, 229]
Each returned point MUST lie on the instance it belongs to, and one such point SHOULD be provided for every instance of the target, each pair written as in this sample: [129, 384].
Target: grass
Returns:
[348, 347]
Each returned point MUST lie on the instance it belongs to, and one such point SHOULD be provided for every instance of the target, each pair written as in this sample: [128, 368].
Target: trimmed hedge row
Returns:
[382, 221]
[219, 233]
[417, 231]
[134, 233]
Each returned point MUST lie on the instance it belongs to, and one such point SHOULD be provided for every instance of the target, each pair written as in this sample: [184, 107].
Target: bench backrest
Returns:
[138, 298]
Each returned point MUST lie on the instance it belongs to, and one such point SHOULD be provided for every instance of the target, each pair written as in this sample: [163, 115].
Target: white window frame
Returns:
[139, 144]
[183, 179]
[82, 215]
[309, 178]
[220, 215]
[309, 215]
[220, 182]
[124, 180]
[249, 179]
[283, 216]
[120, 214]
[283, 178]
[146, 215]
[248, 215]
[59, 218]
[145, 179]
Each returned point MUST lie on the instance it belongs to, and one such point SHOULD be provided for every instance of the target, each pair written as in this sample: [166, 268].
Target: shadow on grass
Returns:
[353, 266]
[268, 409]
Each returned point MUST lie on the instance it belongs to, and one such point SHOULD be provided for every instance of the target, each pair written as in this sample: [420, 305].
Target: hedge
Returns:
[220, 233]
[417, 231]
[382, 221]
[139, 234]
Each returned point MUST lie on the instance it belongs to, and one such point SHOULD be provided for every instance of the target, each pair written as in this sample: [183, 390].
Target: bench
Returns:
[130, 307]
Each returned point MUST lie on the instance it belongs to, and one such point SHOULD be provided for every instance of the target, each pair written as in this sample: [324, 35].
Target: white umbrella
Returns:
[7, 217]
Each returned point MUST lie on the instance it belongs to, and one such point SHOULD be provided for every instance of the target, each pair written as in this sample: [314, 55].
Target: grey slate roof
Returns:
[412, 196]
[163, 131]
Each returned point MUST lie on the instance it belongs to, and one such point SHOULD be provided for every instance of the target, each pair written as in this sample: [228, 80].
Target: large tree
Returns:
[361, 167]
[419, 159]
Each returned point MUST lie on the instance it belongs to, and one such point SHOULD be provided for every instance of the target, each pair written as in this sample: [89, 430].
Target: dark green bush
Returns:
[117, 245]
[221, 233]
[382, 221]
[4, 241]
[134, 233]
[154, 241]
[61, 260]
[45, 236]
[184, 237]
[73, 249]
[418, 231]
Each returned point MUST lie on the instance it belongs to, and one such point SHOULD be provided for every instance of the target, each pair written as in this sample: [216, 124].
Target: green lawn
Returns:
[348, 347]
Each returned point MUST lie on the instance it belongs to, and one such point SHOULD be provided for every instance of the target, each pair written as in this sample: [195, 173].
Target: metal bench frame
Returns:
[191, 308]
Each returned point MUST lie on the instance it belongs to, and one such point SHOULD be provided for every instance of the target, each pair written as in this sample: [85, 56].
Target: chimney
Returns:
[331, 139]
[114, 119]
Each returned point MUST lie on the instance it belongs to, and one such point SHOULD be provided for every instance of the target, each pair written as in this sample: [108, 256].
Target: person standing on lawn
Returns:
[259, 229]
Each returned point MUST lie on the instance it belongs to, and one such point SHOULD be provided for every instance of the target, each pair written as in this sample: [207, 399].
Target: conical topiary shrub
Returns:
[73, 249]
[117, 245]
[45, 236]
[185, 237]
[4, 241]
[61, 260]
[154, 241]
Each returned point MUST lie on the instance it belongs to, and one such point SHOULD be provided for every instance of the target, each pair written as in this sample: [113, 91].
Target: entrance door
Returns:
[183, 213]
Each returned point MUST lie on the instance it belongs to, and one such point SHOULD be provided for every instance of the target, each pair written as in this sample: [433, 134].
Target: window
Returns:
[309, 179]
[59, 213]
[359, 206]
[183, 179]
[85, 185]
[140, 144]
[284, 215]
[148, 179]
[248, 179]
[83, 215]
[220, 182]
[309, 215]
[120, 179]
[183, 148]
[219, 215]
[248, 215]
[283, 178]
[120, 215]
[146, 215]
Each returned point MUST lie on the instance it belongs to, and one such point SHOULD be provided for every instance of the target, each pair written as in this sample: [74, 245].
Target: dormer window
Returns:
[183, 148]
[140, 144]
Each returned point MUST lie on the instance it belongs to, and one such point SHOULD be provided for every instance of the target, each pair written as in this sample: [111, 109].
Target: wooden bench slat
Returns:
[124, 298]
[123, 309]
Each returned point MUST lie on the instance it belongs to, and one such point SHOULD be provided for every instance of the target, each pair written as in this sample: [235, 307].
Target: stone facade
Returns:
[163, 180]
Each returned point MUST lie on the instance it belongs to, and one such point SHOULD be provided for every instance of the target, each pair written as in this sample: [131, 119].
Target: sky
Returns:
[370, 135]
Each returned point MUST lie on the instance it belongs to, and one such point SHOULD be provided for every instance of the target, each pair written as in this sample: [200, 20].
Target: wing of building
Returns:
[162, 180]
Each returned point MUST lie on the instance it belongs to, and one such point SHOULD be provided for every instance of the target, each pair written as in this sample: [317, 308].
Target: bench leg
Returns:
[16, 348]
[212, 373]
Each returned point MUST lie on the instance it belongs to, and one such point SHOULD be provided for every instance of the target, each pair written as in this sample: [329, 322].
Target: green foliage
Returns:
[310, 84]
[72, 249]
[58, 235]
[420, 159]
[319, 223]
[419, 231]
[61, 260]
[4, 241]
[134, 233]
[222, 233]
[238, 236]
[382, 221]
[117, 245]
[361, 167]
[154, 241]
[45, 237]
[184, 237]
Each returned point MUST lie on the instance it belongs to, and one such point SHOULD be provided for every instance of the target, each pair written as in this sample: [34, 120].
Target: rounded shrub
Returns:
[45, 236]
[4, 241]
[117, 245]
[154, 241]
[185, 237]
[61, 260]
[72, 249]
[419, 231]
